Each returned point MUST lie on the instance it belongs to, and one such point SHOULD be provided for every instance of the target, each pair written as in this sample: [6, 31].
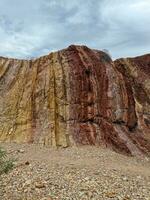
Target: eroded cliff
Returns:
[77, 96]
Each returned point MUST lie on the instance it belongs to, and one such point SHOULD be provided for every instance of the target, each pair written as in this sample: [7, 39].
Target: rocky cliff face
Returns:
[77, 96]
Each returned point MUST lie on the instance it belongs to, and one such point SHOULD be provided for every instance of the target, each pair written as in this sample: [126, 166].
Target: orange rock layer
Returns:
[77, 96]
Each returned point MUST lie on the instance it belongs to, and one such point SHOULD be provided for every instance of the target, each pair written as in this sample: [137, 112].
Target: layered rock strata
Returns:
[77, 96]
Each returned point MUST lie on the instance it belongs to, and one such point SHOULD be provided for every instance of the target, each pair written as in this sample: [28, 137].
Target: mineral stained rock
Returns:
[77, 96]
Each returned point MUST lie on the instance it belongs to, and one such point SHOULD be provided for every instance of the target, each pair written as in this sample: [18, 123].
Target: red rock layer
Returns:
[77, 96]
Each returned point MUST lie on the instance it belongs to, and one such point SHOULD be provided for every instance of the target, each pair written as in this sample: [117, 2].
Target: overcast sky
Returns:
[31, 28]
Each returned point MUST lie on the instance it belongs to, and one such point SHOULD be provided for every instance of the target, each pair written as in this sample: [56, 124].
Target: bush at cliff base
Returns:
[5, 164]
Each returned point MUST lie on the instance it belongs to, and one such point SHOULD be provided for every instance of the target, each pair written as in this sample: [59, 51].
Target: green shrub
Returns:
[5, 164]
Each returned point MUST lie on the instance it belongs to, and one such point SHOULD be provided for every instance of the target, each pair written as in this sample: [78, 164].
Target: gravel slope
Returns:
[75, 174]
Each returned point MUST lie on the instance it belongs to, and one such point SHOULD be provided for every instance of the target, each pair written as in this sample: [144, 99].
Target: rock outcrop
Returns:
[77, 96]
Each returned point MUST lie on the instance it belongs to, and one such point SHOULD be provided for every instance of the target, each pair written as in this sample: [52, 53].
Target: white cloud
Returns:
[35, 27]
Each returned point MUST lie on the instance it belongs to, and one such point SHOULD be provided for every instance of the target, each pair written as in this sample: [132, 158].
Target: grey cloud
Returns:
[32, 28]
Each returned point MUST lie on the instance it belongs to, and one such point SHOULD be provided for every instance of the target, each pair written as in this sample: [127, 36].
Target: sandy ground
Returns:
[74, 173]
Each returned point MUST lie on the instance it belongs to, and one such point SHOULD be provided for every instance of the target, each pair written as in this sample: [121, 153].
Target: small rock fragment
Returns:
[21, 151]
[39, 184]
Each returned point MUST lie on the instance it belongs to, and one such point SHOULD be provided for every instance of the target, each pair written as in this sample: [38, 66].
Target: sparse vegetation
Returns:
[5, 164]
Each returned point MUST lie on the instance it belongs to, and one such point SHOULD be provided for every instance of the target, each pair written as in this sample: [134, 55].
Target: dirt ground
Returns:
[74, 173]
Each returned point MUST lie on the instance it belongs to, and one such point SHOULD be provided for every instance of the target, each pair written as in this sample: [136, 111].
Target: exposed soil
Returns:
[76, 173]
